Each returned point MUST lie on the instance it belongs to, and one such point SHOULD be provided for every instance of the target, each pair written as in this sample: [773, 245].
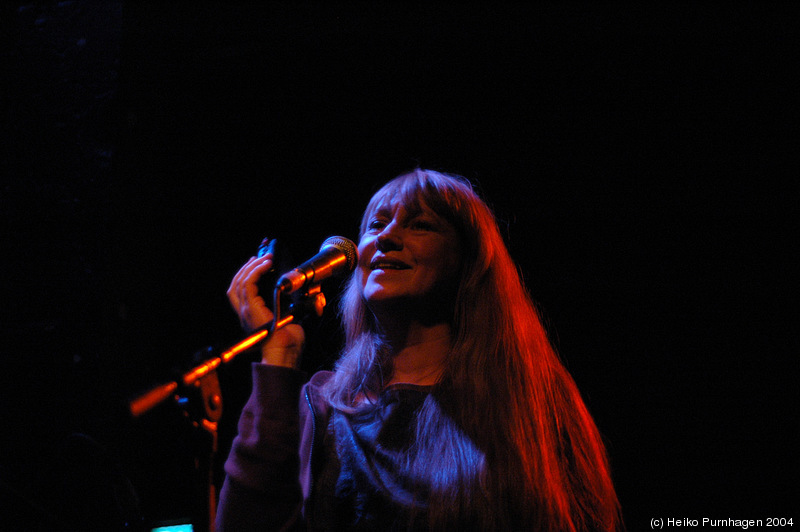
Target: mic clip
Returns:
[311, 301]
[303, 305]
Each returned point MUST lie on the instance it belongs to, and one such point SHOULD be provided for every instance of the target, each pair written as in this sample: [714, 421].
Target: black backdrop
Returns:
[638, 159]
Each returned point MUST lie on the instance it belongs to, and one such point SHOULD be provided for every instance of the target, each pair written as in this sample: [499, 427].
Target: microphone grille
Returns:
[346, 246]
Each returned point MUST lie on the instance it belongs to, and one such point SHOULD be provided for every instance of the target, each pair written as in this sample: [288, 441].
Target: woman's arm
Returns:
[261, 489]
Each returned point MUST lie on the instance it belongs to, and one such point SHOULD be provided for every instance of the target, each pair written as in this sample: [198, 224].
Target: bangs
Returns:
[445, 195]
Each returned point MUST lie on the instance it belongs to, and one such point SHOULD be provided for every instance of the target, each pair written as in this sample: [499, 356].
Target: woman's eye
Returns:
[423, 225]
[376, 224]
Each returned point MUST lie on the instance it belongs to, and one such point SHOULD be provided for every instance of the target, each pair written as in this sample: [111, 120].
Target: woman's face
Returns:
[408, 256]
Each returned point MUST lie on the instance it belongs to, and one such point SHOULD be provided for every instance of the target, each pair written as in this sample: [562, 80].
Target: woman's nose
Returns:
[389, 238]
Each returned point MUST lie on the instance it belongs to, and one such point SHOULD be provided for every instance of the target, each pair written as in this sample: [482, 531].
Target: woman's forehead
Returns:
[392, 203]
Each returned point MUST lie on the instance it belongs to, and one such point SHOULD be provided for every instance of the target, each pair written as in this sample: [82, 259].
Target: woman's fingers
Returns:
[248, 275]
[243, 293]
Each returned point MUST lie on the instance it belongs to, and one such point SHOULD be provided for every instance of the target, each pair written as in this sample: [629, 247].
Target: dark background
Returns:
[638, 159]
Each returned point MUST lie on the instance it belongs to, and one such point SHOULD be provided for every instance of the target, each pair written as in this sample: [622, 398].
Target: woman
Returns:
[448, 408]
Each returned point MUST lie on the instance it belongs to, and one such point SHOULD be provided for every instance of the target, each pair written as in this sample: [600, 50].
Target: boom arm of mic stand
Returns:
[152, 398]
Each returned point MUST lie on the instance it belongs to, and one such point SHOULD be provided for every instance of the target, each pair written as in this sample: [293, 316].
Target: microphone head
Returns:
[344, 245]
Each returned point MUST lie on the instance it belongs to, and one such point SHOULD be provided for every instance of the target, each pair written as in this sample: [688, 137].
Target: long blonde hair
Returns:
[504, 437]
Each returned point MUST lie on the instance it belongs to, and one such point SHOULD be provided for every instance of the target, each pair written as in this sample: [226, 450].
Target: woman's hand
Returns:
[284, 346]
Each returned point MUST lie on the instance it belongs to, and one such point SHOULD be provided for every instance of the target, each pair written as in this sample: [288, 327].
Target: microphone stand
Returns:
[199, 395]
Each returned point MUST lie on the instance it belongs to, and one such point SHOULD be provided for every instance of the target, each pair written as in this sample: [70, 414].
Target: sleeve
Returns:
[261, 489]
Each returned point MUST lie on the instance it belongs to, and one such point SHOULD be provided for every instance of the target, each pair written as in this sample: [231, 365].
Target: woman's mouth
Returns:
[383, 263]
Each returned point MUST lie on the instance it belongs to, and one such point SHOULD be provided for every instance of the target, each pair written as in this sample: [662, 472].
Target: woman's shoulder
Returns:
[313, 393]
[319, 379]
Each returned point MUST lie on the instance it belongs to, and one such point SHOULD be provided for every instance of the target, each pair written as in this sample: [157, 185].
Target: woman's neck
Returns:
[420, 354]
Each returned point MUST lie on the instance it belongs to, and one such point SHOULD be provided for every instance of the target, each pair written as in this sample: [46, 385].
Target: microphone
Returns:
[337, 256]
